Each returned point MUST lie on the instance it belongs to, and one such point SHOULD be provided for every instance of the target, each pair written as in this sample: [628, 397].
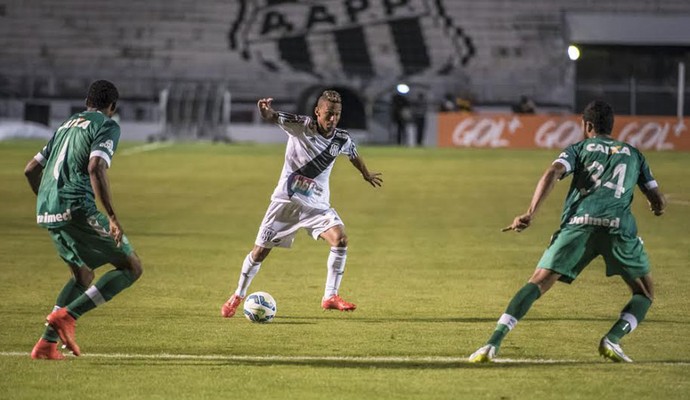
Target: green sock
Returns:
[109, 285]
[69, 292]
[522, 301]
[499, 333]
[517, 308]
[633, 313]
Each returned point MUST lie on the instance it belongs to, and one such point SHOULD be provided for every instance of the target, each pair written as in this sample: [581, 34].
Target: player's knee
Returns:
[83, 276]
[649, 287]
[135, 267]
[642, 286]
[647, 292]
[341, 241]
[258, 257]
[259, 254]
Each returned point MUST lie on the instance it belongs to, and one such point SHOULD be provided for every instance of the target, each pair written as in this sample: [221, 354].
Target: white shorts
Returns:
[284, 219]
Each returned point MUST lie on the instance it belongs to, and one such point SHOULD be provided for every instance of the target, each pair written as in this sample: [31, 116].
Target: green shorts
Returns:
[571, 250]
[85, 241]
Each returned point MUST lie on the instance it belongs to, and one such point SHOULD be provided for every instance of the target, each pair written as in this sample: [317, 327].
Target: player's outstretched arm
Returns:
[267, 112]
[656, 200]
[374, 178]
[101, 187]
[33, 172]
[546, 183]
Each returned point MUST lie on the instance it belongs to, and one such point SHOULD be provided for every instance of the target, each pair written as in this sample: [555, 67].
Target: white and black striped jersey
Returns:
[309, 159]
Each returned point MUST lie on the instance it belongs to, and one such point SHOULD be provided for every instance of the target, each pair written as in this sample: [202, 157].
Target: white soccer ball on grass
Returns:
[260, 307]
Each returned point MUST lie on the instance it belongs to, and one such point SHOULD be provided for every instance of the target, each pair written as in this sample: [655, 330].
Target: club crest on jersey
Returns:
[280, 33]
[334, 150]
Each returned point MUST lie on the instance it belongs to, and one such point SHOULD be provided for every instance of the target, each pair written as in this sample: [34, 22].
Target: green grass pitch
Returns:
[427, 265]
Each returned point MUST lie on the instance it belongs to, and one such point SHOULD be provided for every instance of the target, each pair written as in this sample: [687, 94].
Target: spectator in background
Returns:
[401, 114]
[449, 103]
[525, 106]
[453, 103]
[464, 105]
[419, 116]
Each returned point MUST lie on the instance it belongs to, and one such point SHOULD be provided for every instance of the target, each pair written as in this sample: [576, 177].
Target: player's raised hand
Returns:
[265, 107]
[520, 223]
[265, 103]
[374, 178]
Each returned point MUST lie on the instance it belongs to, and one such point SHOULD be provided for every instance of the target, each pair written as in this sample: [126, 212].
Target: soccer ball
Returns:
[260, 307]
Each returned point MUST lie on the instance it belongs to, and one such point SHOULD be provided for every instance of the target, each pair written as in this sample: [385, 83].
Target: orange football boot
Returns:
[45, 350]
[230, 306]
[336, 302]
[64, 324]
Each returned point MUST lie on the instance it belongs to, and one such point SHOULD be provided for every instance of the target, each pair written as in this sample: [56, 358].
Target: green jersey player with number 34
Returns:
[596, 220]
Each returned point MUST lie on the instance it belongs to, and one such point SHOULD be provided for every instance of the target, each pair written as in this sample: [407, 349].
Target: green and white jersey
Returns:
[605, 172]
[66, 185]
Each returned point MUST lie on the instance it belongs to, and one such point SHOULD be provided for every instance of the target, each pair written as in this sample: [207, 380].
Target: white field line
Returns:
[378, 359]
[679, 202]
[146, 147]
[220, 357]
[671, 197]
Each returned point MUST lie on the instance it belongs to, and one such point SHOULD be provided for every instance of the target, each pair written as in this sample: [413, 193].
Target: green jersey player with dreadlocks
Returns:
[65, 175]
[596, 221]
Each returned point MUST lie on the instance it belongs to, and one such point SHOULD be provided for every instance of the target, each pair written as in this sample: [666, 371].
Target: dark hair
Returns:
[600, 114]
[102, 94]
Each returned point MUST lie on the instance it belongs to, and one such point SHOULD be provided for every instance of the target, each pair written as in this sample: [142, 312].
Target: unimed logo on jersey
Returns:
[345, 38]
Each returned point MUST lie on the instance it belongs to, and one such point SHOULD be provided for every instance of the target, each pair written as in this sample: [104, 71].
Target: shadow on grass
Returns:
[348, 317]
[460, 319]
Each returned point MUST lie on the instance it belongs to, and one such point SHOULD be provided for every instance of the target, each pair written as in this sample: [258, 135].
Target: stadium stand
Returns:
[492, 51]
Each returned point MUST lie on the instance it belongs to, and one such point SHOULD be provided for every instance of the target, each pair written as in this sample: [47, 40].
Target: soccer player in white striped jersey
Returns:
[301, 198]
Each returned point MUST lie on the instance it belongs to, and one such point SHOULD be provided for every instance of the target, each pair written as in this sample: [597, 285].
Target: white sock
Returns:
[336, 267]
[631, 319]
[95, 296]
[508, 320]
[249, 270]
